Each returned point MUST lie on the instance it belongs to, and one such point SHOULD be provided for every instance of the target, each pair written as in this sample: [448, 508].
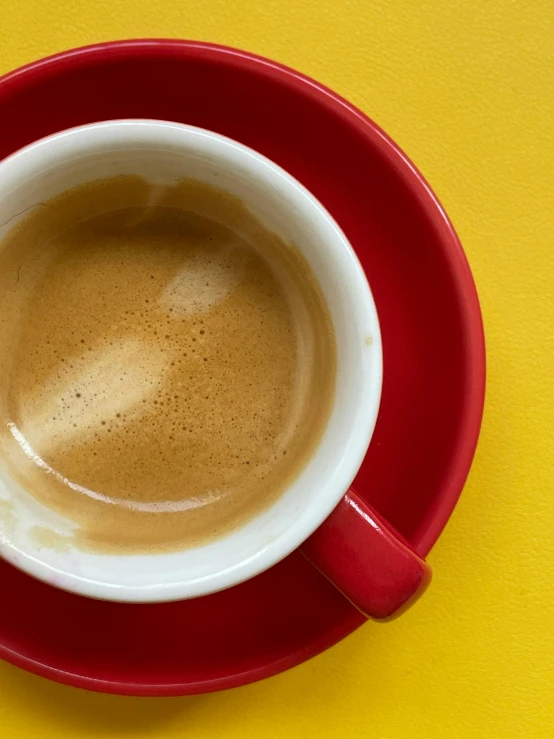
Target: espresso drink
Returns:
[167, 365]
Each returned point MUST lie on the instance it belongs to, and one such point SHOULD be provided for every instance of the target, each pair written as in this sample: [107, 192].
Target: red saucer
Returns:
[433, 353]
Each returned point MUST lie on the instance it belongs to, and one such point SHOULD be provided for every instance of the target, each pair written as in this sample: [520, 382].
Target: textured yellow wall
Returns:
[467, 88]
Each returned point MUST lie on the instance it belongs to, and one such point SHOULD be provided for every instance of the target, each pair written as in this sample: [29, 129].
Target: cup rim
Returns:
[356, 441]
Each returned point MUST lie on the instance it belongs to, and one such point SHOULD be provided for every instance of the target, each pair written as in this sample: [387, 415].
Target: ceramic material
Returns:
[432, 343]
[163, 152]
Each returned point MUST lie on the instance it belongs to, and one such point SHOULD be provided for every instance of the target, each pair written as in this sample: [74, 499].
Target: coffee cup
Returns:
[317, 511]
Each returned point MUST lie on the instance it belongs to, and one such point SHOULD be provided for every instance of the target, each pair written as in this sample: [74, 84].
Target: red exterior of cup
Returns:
[369, 562]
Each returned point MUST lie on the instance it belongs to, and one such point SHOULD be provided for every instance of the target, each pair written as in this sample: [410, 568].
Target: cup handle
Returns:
[370, 563]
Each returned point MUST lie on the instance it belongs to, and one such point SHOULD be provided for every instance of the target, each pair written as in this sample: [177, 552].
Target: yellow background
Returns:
[467, 89]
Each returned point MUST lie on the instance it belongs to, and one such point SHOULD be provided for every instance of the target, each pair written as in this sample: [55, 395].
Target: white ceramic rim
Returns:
[45, 153]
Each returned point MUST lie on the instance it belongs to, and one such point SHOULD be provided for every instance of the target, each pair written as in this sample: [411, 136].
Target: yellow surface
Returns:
[467, 88]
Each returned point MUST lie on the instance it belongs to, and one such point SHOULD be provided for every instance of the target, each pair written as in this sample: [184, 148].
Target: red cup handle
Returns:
[369, 562]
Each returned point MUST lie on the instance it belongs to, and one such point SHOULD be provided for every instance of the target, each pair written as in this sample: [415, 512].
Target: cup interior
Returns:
[162, 153]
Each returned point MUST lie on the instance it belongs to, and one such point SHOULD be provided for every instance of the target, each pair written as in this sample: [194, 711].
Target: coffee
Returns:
[168, 364]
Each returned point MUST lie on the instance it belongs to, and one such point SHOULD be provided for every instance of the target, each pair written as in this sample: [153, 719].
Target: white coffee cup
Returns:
[164, 152]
